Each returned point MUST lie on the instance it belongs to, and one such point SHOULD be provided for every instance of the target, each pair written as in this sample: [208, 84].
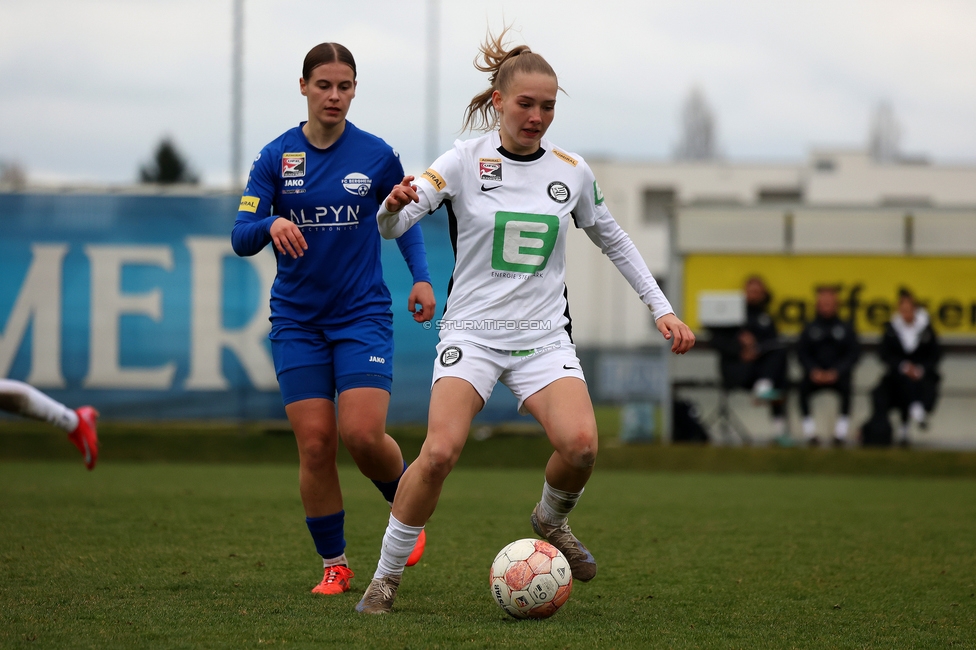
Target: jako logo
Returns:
[377, 360]
[294, 182]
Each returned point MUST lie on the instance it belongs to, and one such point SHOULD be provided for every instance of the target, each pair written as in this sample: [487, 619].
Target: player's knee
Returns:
[361, 440]
[438, 459]
[584, 458]
[317, 454]
[580, 451]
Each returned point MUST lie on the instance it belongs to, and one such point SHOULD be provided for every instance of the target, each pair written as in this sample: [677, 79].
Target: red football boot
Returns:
[85, 435]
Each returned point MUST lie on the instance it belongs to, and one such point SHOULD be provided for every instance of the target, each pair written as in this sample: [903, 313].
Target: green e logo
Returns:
[523, 242]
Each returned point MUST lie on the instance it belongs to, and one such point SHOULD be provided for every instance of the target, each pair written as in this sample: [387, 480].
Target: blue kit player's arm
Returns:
[252, 229]
[411, 245]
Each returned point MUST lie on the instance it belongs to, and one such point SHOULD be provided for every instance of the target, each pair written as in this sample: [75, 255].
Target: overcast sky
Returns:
[88, 87]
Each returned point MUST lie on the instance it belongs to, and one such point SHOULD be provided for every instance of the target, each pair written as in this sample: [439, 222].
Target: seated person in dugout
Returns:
[752, 356]
[911, 353]
[827, 351]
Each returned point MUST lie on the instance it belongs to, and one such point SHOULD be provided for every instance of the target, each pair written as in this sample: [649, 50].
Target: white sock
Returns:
[332, 561]
[398, 543]
[779, 426]
[762, 386]
[555, 505]
[917, 411]
[842, 426]
[903, 431]
[23, 399]
[809, 427]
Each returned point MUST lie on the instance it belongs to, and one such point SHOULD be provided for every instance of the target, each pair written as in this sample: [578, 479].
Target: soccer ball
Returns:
[530, 578]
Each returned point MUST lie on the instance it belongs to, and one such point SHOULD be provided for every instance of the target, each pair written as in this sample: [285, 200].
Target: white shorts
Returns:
[525, 372]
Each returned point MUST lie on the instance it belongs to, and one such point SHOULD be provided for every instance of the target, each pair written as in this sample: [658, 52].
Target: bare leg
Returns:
[453, 405]
[362, 426]
[313, 421]
[564, 410]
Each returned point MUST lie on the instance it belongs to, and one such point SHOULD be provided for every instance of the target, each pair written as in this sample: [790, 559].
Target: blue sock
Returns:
[327, 534]
[388, 489]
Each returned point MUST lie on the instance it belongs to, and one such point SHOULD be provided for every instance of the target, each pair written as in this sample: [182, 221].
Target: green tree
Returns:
[168, 166]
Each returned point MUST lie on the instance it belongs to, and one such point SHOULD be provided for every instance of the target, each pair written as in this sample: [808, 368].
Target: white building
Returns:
[840, 210]
[912, 207]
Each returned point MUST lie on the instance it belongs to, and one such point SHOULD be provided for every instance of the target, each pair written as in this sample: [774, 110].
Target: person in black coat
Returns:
[827, 350]
[911, 353]
[752, 356]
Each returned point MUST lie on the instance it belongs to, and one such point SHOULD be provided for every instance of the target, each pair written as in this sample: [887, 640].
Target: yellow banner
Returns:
[946, 286]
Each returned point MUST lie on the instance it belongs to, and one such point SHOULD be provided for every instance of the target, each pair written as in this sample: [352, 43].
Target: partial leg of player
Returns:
[81, 424]
[453, 405]
[564, 410]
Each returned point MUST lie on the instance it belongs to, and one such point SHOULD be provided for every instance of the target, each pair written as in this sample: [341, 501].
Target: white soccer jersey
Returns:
[509, 216]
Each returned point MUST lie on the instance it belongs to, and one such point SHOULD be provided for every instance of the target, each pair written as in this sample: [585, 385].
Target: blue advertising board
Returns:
[139, 306]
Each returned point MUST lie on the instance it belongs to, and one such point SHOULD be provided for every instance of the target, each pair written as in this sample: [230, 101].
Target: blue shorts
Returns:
[320, 362]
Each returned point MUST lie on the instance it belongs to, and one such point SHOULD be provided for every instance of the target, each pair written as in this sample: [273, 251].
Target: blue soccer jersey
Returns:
[333, 195]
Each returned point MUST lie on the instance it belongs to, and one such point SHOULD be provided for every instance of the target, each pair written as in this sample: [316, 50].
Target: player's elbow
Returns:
[240, 244]
[240, 250]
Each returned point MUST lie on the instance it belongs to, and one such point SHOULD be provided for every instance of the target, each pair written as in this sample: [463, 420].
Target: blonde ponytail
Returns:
[501, 65]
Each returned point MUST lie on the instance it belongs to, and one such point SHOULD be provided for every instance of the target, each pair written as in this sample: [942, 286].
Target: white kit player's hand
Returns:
[681, 337]
[288, 238]
[422, 294]
[402, 195]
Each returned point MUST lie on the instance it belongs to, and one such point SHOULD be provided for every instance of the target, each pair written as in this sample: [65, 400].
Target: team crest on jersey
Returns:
[558, 191]
[450, 356]
[356, 183]
[293, 165]
[490, 169]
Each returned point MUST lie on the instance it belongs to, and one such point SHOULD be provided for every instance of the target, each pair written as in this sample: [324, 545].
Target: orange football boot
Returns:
[418, 549]
[335, 581]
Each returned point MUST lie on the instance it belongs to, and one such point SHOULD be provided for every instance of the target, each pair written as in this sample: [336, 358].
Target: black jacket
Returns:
[758, 323]
[927, 354]
[828, 344]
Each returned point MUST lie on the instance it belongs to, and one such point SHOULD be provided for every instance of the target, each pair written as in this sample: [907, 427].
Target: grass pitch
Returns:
[154, 555]
[273, 442]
